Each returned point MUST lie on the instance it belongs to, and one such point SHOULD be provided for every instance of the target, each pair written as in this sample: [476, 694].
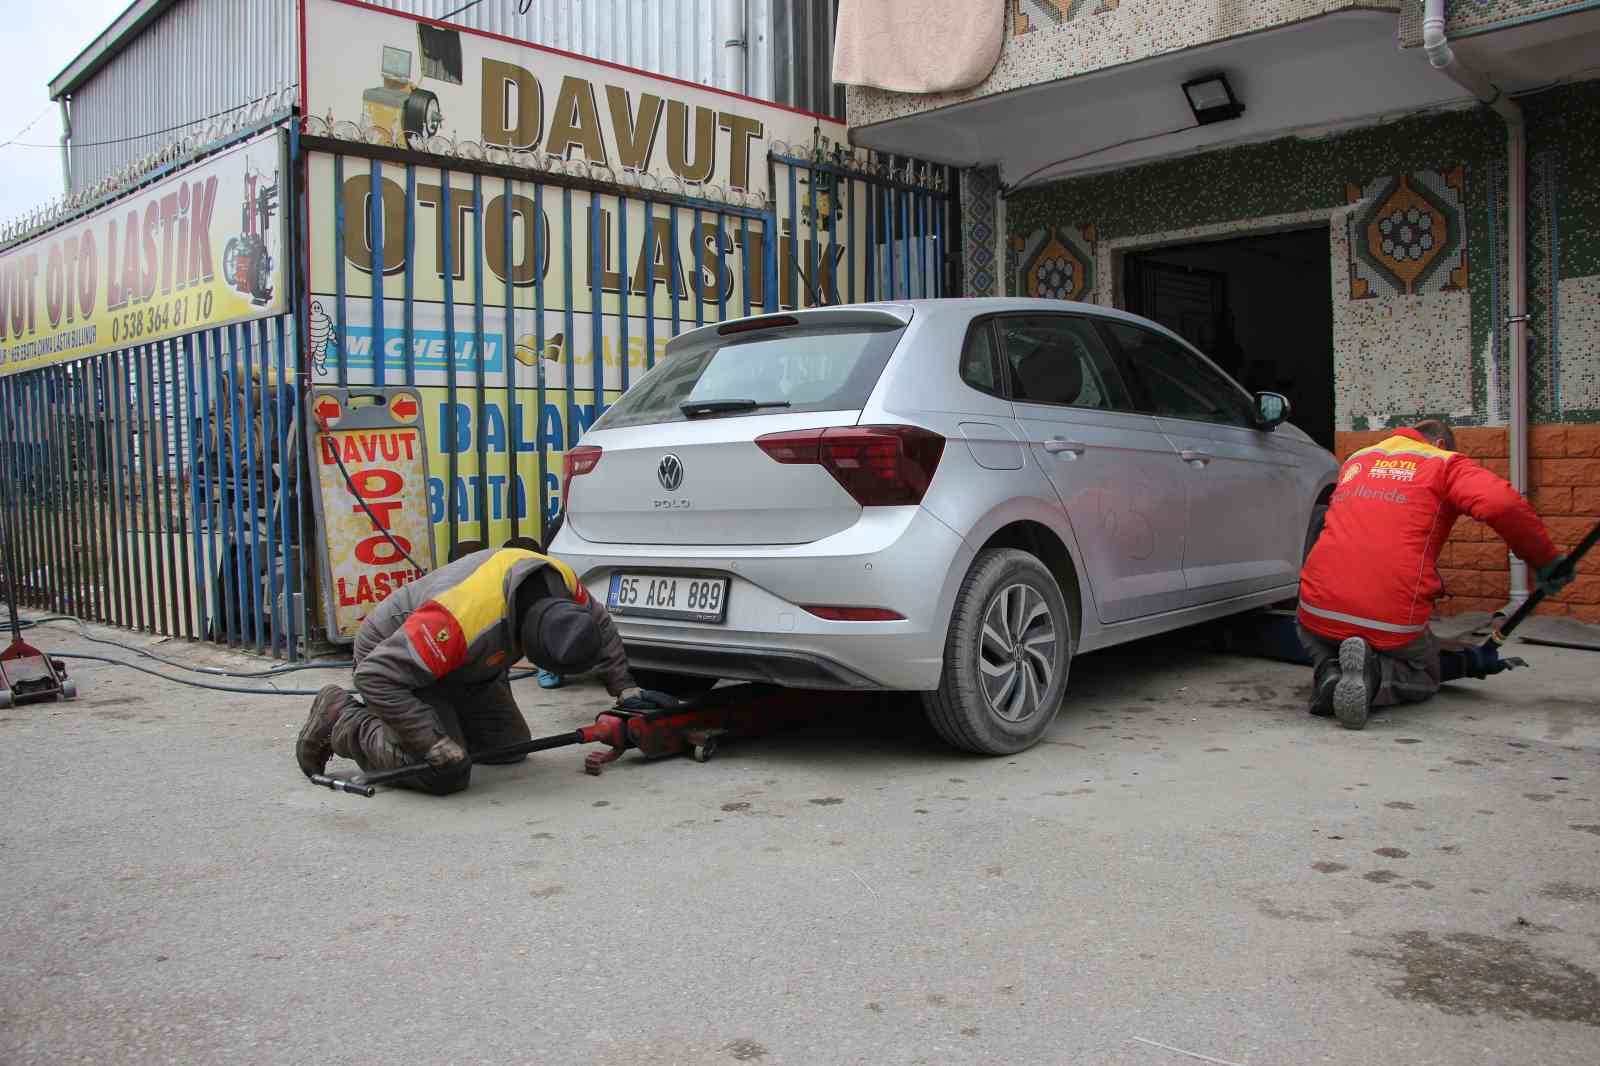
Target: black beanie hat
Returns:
[560, 635]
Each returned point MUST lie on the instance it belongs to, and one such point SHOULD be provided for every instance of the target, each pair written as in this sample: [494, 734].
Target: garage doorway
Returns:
[1260, 306]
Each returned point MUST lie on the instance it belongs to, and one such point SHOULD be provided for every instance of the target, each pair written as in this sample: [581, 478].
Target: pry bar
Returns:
[1499, 633]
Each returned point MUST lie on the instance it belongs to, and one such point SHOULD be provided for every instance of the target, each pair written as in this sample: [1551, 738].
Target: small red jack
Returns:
[28, 675]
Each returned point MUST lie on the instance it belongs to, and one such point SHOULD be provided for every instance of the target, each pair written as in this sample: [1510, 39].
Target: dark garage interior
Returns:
[1261, 307]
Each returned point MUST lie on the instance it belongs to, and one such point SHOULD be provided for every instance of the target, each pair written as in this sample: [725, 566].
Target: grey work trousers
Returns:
[478, 717]
[1410, 674]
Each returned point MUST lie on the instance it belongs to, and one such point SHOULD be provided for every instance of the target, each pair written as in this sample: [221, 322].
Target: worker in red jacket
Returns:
[1368, 587]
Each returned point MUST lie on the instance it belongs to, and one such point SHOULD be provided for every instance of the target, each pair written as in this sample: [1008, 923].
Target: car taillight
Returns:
[879, 466]
[576, 462]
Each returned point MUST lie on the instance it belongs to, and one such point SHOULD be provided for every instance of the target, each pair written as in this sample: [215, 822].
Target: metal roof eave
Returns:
[112, 39]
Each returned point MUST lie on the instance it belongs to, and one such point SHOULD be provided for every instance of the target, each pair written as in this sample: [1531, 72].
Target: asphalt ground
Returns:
[1189, 869]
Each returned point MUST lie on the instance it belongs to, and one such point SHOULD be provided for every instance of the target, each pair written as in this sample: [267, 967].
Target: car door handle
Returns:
[1057, 445]
[1189, 455]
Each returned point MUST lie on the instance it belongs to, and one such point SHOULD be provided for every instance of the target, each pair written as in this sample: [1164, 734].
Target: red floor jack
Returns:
[694, 727]
[28, 675]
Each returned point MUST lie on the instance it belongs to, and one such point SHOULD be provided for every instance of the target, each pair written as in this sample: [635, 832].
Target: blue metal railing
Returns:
[158, 487]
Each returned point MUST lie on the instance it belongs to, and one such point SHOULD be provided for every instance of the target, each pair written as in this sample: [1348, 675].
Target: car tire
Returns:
[978, 706]
[682, 686]
[1319, 517]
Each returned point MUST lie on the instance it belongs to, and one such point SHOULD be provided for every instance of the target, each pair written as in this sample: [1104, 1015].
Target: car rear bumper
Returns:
[900, 558]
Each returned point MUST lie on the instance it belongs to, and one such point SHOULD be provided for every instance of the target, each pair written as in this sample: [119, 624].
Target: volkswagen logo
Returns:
[670, 472]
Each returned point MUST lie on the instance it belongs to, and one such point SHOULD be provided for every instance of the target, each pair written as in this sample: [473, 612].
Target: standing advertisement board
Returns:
[371, 501]
[202, 248]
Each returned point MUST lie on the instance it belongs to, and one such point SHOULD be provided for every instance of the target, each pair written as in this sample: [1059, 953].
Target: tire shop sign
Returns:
[372, 498]
[202, 248]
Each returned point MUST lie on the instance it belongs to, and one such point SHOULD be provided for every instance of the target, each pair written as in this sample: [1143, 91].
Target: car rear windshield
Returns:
[778, 370]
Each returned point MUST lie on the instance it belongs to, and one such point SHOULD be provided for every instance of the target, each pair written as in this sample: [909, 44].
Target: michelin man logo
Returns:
[322, 335]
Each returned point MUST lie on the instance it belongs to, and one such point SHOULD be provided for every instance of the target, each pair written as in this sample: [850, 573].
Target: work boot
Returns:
[1323, 683]
[314, 746]
[1359, 676]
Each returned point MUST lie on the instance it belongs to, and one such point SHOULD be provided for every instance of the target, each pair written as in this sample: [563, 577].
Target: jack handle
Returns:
[1499, 633]
[363, 784]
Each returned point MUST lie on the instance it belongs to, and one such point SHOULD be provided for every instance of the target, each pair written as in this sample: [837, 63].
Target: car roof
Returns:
[907, 310]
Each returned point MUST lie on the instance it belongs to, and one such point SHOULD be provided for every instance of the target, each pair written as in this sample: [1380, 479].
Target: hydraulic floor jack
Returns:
[28, 675]
[694, 727]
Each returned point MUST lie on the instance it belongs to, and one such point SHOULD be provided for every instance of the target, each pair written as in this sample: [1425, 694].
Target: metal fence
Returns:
[164, 487]
[158, 488]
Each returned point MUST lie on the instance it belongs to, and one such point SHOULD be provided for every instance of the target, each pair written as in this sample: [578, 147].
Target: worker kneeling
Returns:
[432, 665]
[1368, 587]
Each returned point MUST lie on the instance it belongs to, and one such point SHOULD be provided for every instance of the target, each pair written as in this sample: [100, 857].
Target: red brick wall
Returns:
[1564, 473]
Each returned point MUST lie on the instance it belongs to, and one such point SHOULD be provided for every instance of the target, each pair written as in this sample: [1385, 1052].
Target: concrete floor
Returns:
[1188, 861]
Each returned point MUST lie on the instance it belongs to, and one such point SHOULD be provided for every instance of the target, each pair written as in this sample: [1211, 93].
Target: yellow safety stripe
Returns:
[1405, 446]
[479, 601]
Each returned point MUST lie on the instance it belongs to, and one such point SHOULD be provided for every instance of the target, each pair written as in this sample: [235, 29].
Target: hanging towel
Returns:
[917, 46]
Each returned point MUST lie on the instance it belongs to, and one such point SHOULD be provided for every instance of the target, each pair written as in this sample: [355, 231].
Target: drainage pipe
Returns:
[66, 150]
[1440, 55]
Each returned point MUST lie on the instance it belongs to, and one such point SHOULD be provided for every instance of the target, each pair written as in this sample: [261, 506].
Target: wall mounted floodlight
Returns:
[1211, 99]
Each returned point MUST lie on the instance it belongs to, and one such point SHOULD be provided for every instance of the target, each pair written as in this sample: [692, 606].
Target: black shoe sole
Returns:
[1351, 701]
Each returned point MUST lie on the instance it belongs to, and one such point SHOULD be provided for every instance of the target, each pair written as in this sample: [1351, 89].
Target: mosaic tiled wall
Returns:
[1408, 235]
[1416, 266]
[1030, 15]
[1462, 18]
[1564, 250]
[980, 198]
[1054, 262]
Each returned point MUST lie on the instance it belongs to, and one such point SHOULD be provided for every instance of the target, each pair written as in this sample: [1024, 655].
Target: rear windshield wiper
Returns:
[703, 408]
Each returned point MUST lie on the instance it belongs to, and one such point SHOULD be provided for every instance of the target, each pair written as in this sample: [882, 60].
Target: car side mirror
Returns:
[1272, 409]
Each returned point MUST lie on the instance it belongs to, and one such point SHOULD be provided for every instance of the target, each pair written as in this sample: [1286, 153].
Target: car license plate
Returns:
[689, 599]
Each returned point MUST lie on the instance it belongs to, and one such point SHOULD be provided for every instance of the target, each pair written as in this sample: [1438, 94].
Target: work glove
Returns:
[444, 754]
[1555, 576]
[644, 699]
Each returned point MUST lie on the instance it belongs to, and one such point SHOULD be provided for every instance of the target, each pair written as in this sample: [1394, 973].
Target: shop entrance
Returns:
[1260, 306]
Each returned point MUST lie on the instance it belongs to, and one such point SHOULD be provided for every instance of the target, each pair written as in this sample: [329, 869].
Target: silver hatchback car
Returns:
[950, 497]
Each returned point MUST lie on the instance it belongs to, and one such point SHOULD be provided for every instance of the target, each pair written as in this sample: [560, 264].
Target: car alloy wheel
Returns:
[1017, 653]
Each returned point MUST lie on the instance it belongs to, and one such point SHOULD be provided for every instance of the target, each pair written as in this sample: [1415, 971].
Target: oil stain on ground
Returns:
[1567, 892]
[745, 1050]
[1470, 974]
[1293, 914]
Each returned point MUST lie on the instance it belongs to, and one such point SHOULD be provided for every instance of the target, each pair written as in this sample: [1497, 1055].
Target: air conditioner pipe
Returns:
[1443, 59]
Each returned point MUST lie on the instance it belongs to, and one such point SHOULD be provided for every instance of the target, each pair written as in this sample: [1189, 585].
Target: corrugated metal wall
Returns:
[196, 60]
[802, 56]
[207, 56]
[679, 38]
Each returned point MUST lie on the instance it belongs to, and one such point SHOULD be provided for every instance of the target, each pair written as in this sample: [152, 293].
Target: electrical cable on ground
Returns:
[214, 686]
[191, 682]
[287, 668]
